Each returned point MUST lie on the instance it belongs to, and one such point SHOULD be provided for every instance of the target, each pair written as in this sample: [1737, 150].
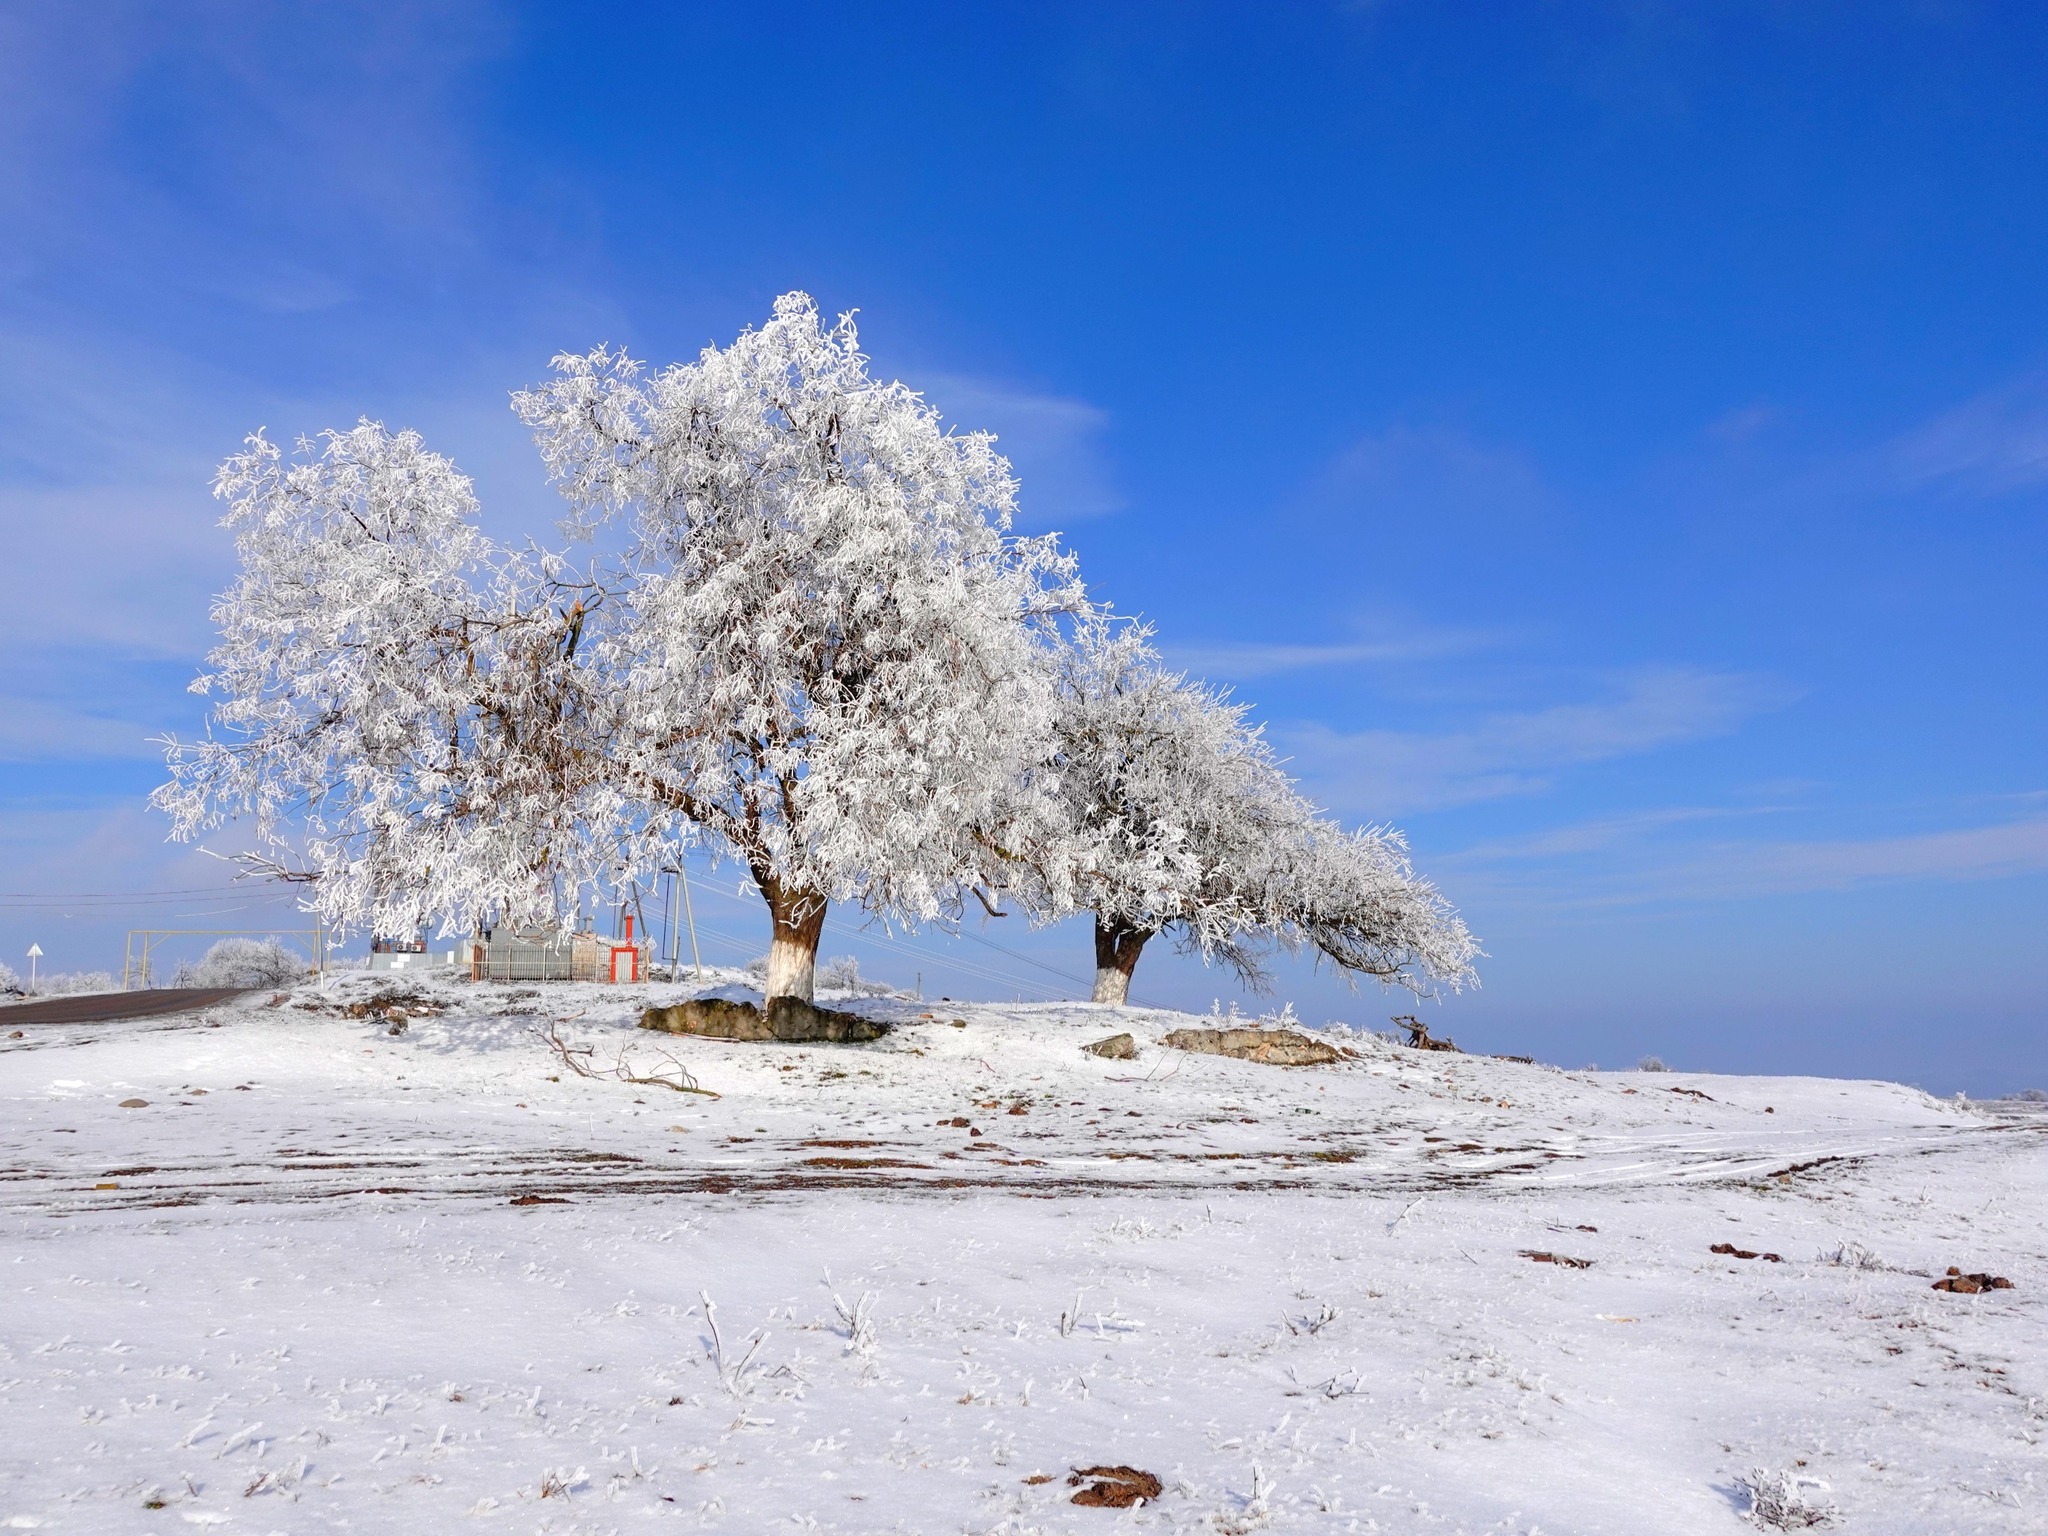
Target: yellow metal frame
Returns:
[135, 957]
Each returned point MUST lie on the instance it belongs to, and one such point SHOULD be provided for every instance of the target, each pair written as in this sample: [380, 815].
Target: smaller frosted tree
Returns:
[403, 720]
[1177, 817]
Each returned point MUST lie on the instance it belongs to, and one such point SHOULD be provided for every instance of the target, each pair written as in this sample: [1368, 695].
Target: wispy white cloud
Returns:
[346, 118]
[1657, 857]
[1230, 660]
[1438, 472]
[1381, 772]
[1598, 835]
[1993, 444]
[1966, 853]
[33, 730]
[1054, 442]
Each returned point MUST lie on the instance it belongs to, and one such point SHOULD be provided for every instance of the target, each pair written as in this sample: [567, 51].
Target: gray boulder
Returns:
[789, 1020]
[1116, 1048]
[1269, 1047]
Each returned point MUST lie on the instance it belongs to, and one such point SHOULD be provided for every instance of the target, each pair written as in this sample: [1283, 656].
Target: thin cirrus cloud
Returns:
[1378, 773]
[2004, 849]
[1994, 444]
[1632, 861]
[1055, 443]
[299, 143]
[1242, 660]
[1442, 472]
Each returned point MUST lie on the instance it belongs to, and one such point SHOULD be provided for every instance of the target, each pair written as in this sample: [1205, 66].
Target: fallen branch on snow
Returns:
[580, 1058]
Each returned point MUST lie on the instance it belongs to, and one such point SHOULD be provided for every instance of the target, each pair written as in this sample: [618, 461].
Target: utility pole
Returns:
[696, 958]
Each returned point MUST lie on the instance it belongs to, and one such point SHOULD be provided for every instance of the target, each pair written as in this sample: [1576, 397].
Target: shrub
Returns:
[62, 982]
[245, 963]
[1652, 1064]
[842, 974]
[1786, 1501]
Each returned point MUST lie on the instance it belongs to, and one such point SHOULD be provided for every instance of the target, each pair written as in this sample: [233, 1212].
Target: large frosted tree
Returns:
[805, 637]
[835, 666]
[1179, 819]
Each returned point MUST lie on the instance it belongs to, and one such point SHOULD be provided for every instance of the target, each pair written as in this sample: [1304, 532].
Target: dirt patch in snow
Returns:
[1970, 1285]
[1734, 1252]
[1114, 1487]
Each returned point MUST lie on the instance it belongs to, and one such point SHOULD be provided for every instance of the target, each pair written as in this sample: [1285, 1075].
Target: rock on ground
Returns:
[790, 1020]
[1268, 1047]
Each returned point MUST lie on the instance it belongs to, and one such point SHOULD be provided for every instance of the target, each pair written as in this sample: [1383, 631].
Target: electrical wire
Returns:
[930, 955]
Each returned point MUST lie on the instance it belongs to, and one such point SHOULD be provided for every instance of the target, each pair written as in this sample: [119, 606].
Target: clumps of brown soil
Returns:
[1268, 1047]
[789, 1020]
[538, 1200]
[1115, 1048]
[1970, 1285]
[1542, 1257]
[1734, 1252]
[395, 1005]
[1114, 1487]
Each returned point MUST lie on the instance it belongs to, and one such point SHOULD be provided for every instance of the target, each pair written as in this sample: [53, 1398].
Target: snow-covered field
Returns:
[297, 1291]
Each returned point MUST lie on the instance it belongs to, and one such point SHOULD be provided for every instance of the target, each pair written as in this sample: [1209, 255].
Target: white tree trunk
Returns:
[799, 922]
[1112, 985]
[792, 967]
[1116, 956]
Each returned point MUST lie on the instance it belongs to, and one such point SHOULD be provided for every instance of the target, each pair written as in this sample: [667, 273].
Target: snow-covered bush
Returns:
[9, 982]
[842, 974]
[238, 962]
[1787, 1501]
[59, 983]
[1652, 1064]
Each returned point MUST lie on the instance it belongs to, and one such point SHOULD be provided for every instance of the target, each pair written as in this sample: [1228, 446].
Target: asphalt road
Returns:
[107, 1007]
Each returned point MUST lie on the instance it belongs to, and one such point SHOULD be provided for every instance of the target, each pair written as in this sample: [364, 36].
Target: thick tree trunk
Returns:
[1116, 956]
[798, 919]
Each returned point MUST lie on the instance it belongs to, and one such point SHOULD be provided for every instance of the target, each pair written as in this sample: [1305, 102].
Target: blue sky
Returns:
[1608, 441]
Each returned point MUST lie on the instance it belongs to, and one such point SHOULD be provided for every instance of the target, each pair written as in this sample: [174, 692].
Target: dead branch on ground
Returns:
[581, 1059]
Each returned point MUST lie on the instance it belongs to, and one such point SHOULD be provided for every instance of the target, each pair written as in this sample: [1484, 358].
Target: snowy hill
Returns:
[328, 1275]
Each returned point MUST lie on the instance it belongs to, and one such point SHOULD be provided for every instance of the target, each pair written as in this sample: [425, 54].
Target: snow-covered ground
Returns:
[297, 1290]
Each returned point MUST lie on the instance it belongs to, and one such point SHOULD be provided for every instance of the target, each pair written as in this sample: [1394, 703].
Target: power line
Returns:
[937, 957]
[128, 899]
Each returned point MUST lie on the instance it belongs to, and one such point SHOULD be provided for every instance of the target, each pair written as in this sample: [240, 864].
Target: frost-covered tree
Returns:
[1179, 818]
[806, 637]
[404, 719]
[835, 662]
[238, 962]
